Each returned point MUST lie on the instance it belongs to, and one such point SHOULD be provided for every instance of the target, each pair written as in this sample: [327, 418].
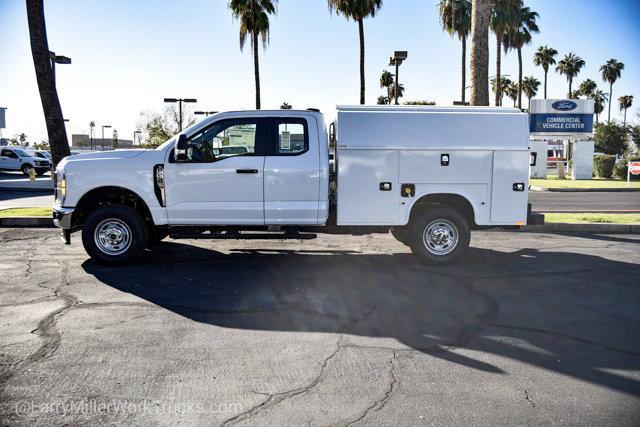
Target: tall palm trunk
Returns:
[256, 68]
[610, 100]
[520, 78]
[498, 67]
[46, 81]
[464, 68]
[361, 32]
[570, 84]
[546, 71]
[624, 122]
[597, 117]
[480, 14]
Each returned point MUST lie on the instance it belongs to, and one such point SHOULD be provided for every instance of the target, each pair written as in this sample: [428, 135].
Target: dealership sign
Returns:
[561, 116]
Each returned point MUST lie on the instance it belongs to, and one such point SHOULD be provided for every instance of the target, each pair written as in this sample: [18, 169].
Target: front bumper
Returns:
[62, 219]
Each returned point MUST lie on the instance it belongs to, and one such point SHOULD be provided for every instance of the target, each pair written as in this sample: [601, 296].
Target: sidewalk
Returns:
[15, 182]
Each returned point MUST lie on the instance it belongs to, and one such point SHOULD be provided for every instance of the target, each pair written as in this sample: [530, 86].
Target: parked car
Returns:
[18, 159]
[427, 174]
[43, 154]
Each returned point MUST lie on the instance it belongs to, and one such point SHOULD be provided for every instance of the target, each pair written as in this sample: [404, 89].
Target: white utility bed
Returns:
[487, 149]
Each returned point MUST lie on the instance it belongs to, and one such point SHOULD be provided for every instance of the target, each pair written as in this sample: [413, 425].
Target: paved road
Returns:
[527, 329]
[604, 201]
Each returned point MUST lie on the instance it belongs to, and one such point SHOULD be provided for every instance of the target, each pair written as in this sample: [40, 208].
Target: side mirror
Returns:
[181, 148]
[534, 158]
[332, 132]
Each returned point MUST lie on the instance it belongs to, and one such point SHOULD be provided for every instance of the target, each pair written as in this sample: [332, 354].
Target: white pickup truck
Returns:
[427, 174]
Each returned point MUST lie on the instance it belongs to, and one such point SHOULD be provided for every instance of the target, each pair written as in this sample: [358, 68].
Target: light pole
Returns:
[180, 101]
[396, 59]
[136, 132]
[205, 113]
[57, 59]
[102, 140]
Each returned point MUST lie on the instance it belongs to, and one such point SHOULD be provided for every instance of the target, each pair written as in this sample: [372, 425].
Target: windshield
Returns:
[22, 153]
[44, 154]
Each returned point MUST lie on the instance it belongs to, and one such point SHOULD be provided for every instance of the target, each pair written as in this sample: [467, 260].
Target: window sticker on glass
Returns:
[285, 140]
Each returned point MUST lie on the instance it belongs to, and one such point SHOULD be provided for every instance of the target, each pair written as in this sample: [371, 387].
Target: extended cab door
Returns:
[292, 171]
[222, 180]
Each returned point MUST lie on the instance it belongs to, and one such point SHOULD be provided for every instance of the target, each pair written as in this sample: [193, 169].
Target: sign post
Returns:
[633, 168]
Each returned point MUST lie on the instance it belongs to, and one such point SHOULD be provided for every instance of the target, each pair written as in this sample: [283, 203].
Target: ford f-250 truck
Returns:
[427, 175]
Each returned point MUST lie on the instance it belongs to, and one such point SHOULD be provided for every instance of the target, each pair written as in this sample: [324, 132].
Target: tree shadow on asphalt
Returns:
[570, 313]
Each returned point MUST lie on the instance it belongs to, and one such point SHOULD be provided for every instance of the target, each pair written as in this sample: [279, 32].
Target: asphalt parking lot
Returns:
[527, 328]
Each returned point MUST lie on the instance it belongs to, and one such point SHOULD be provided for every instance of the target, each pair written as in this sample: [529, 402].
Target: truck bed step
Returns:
[244, 235]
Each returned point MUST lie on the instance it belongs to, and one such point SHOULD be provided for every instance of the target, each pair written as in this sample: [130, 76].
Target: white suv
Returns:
[17, 159]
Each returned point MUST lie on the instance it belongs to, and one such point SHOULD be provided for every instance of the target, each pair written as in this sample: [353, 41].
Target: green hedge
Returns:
[603, 165]
[620, 169]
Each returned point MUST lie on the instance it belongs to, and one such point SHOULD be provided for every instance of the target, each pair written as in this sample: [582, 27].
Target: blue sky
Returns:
[128, 55]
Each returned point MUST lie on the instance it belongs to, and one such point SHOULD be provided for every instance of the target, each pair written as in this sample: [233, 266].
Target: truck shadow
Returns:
[569, 313]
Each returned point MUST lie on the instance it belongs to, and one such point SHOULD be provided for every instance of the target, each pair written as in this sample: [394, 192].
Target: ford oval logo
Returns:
[564, 105]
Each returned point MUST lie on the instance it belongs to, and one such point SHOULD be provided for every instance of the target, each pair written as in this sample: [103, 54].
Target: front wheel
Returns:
[25, 169]
[439, 236]
[114, 234]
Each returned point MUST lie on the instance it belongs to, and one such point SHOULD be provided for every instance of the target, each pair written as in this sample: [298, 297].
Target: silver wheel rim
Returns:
[112, 236]
[440, 237]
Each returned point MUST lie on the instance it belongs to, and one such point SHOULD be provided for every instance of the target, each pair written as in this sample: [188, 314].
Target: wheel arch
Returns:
[456, 201]
[105, 195]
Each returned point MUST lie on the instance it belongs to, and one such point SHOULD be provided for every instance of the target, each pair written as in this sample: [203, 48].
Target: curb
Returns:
[585, 228]
[27, 221]
[584, 190]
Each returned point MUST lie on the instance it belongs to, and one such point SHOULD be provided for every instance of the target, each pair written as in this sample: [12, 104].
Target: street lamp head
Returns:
[190, 100]
[170, 100]
[59, 59]
[400, 54]
[106, 126]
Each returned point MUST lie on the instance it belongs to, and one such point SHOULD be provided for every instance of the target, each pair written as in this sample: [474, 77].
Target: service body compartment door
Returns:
[508, 199]
[361, 199]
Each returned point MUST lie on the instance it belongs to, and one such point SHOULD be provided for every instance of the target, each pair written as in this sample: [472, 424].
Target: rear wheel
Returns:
[439, 236]
[114, 234]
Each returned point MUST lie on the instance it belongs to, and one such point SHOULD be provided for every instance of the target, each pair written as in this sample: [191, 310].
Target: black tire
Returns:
[40, 172]
[124, 221]
[156, 235]
[400, 234]
[446, 225]
[25, 169]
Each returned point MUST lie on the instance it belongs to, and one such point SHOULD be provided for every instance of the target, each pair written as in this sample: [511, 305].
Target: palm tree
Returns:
[285, 106]
[570, 66]
[625, 102]
[587, 88]
[455, 16]
[46, 82]
[254, 22]
[499, 85]
[544, 57]
[503, 19]
[357, 10]
[383, 100]
[386, 81]
[519, 36]
[599, 98]
[480, 16]
[610, 73]
[530, 87]
[512, 92]
[392, 91]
